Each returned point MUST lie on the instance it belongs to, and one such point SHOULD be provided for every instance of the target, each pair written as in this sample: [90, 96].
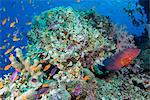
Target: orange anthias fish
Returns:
[35, 68]
[4, 21]
[7, 67]
[12, 24]
[16, 39]
[45, 85]
[124, 58]
[85, 78]
[28, 23]
[2, 47]
[47, 67]
[9, 50]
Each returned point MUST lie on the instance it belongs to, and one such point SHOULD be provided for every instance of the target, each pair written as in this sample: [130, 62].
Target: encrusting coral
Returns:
[63, 47]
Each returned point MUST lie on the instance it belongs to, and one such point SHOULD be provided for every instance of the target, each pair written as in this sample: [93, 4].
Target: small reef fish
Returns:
[45, 85]
[22, 47]
[3, 47]
[53, 71]
[5, 40]
[16, 39]
[41, 91]
[34, 80]
[28, 23]
[52, 26]
[35, 68]
[14, 75]
[4, 21]
[9, 50]
[92, 68]
[47, 67]
[11, 56]
[85, 78]
[8, 19]
[16, 20]
[42, 61]
[15, 33]
[7, 67]
[8, 35]
[12, 24]
[5, 60]
[55, 59]
[124, 58]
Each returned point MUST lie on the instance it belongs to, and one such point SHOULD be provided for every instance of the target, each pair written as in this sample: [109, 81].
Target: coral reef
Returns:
[70, 35]
[124, 87]
[65, 49]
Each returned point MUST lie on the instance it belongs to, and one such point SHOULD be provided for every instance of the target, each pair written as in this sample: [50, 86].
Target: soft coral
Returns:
[123, 40]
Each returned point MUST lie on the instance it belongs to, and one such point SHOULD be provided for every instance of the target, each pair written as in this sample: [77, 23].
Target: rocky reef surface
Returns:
[64, 48]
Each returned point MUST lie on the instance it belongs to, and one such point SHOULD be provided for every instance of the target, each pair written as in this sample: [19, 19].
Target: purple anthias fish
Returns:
[53, 71]
[52, 26]
[41, 91]
[14, 75]
[34, 80]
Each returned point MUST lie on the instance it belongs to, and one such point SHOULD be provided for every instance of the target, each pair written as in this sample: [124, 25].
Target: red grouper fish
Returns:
[123, 58]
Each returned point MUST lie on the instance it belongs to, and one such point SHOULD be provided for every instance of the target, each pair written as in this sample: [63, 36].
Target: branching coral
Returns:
[24, 64]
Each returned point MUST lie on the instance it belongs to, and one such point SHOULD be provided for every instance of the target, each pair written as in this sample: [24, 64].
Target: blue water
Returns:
[25, 10]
